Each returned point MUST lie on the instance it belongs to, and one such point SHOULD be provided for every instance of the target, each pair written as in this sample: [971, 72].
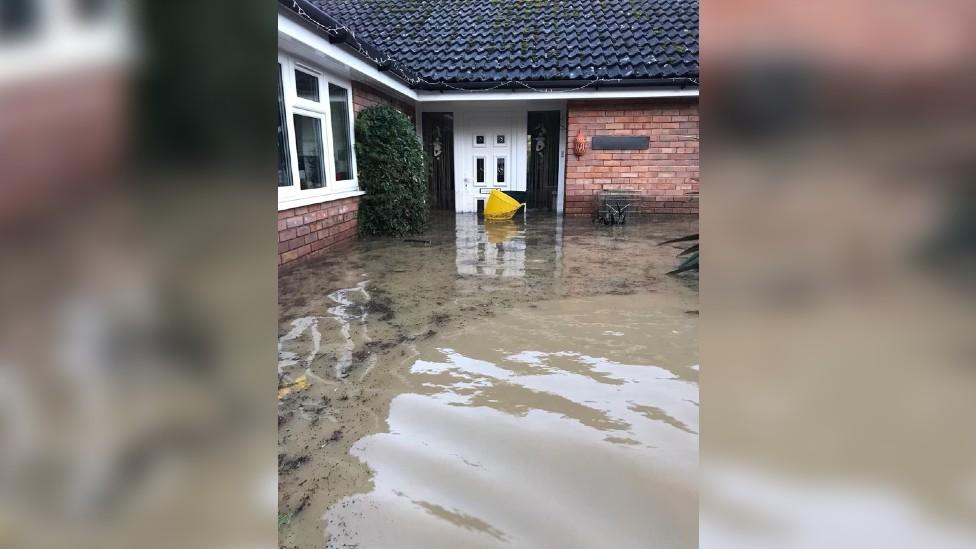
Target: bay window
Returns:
[315, 142]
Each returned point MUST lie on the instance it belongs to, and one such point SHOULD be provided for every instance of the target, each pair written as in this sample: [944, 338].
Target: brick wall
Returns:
[663, 174]
[363, 96]
[315, 229]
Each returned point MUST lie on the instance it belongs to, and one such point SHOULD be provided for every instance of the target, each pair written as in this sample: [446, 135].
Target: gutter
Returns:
[680, 83]
[554, 94]
[345, 37]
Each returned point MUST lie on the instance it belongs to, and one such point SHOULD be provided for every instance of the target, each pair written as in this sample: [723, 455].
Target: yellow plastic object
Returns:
[300, 384]
[501, 206]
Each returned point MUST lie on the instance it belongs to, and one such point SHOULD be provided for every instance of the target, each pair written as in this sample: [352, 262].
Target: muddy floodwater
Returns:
[531, 383]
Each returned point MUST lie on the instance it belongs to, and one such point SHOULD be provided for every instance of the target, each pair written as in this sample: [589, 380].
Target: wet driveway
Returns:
[522, 384]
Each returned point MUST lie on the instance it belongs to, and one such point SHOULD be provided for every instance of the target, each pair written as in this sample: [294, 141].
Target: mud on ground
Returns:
[351, 324]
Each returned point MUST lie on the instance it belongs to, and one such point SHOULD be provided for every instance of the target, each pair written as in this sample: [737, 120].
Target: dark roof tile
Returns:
[503, 40]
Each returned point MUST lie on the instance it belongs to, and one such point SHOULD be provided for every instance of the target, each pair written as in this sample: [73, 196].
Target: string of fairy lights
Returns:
[414, 80]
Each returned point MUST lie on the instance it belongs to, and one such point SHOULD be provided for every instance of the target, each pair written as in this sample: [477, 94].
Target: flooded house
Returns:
[561, 102]
[531, 382]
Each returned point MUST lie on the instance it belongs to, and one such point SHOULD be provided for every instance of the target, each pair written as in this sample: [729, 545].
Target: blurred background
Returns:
[838, 357]
[137, 274]
[138, 312]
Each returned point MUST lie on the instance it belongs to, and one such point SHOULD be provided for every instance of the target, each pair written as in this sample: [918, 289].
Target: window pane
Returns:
[479, 170]
[308, 144]
[341, 143]
[307, 85]
[284, 159]
[500, 168]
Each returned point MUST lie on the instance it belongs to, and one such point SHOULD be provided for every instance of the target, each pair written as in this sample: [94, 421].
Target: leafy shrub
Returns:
[390, 159]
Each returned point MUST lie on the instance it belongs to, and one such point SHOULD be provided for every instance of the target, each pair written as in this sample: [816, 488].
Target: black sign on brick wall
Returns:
[620, 142]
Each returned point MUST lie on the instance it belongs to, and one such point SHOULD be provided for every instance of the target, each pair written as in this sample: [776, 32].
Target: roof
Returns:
[562, 42]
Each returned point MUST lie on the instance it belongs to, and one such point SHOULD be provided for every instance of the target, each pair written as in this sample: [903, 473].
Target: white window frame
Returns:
[351, 117]
[293, 196]
[293, 151]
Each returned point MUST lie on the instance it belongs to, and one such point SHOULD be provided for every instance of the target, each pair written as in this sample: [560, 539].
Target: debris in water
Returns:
[299, 384]
[287, 464]
[282, 418]
[440, 318]
[302, 504]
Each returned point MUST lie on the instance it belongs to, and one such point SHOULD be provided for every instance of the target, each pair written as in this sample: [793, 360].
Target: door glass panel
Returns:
[479, 170]
[500, 168]
[341, 144]
[308, 145]
[307, 85]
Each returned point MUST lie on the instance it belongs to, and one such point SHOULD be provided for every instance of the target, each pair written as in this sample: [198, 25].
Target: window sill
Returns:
[299, 201]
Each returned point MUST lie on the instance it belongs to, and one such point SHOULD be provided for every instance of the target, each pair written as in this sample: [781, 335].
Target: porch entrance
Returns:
[473, 146]
[543, 159]
[438, 137]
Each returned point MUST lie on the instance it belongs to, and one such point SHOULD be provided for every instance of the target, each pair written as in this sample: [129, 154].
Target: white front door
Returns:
[487, 160]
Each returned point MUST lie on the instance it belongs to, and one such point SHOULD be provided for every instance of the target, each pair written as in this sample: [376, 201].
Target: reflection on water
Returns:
[529, 383]
[349, 313]
[345, 323]
[492, 248]
[503, 440]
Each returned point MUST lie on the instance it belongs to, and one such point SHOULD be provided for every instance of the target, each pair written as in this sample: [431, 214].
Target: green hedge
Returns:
[390, 161]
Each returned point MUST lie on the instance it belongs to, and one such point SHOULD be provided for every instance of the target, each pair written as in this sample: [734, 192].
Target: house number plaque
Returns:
[620, 142]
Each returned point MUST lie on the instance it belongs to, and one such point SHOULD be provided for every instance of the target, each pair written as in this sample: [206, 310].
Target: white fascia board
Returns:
[293, 35]
[608, 93]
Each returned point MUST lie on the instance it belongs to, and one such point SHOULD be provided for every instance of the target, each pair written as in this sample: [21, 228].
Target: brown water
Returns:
[525, 384]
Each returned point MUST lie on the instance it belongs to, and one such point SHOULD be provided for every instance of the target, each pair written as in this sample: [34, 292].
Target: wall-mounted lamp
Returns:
[579, 144]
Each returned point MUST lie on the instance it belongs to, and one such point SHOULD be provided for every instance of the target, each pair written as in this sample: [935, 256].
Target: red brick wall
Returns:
[663, 173]
[312, 230]
[363, 96]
